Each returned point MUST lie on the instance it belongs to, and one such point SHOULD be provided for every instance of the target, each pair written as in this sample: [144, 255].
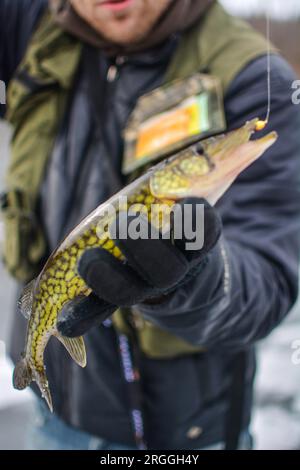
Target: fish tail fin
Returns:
[23, 376]
[42, 382]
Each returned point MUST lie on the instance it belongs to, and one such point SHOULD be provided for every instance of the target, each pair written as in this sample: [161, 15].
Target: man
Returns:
[195, 318]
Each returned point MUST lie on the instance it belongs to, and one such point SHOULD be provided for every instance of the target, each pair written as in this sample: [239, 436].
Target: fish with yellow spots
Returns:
[206, 169]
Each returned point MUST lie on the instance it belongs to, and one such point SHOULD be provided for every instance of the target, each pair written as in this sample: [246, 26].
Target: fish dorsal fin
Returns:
[25, 302]
[75, 347]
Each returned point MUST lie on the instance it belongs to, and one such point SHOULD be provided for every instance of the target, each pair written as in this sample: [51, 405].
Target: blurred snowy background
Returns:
[275, 8]
[276, 423]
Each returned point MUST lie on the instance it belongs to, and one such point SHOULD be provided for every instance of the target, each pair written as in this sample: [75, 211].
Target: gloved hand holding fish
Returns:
[204, 170]
[157, 263]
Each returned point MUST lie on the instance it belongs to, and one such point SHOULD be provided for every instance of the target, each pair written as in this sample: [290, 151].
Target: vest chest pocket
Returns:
[171, 118]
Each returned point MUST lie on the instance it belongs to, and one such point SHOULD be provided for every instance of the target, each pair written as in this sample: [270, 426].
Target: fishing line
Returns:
[268, 27]
[262, 124]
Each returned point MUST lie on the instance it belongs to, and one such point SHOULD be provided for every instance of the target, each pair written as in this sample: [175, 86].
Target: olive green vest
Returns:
[220, 45]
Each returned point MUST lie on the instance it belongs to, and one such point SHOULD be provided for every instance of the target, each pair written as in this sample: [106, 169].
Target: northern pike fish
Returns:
[206, 169]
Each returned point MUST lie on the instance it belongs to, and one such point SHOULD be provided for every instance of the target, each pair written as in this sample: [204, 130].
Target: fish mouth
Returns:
[229, 165]
[249, 152]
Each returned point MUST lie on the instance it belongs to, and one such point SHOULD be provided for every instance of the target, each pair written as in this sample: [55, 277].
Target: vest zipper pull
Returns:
[114, 69]
[112, 73]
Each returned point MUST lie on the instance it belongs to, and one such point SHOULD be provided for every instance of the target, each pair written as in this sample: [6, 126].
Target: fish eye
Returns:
[199, 149]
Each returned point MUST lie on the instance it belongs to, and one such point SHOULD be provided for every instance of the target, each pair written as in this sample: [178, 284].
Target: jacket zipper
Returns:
[112, 76]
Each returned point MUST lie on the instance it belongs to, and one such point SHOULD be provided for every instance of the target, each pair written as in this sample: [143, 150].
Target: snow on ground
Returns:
[8, 396]
[276, 421]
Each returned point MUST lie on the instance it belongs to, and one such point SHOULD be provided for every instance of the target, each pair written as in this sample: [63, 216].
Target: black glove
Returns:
[153, 269]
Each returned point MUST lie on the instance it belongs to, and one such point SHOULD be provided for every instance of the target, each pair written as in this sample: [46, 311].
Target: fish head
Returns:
[208, 168]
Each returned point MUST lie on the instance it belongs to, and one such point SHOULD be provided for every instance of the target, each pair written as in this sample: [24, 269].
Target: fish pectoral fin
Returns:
[75, 347]
[26, 299]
